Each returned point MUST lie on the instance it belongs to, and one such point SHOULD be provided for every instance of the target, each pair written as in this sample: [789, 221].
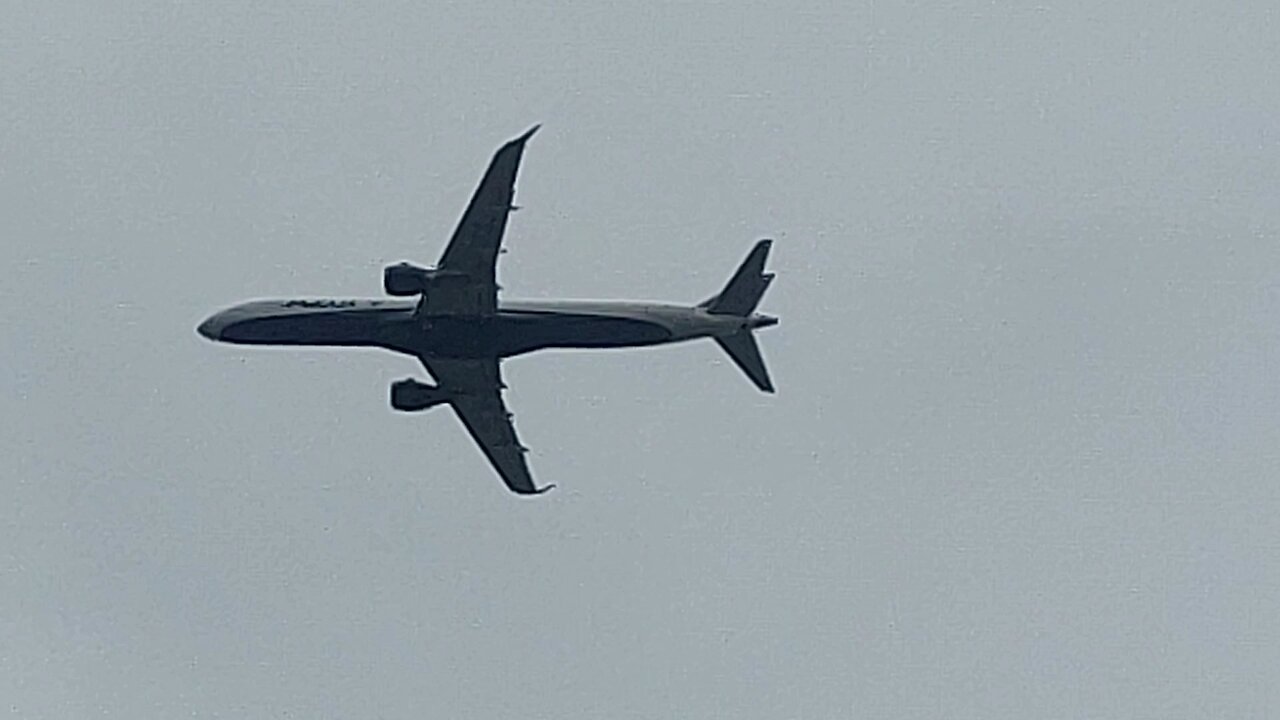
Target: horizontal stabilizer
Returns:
[742, 347]
[743, 292]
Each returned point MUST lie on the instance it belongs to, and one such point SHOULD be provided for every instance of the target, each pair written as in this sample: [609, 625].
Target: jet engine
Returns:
[409, 395]
[404, 279]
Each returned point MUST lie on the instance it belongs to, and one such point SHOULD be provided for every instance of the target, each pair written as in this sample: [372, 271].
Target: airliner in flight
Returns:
[453, 321]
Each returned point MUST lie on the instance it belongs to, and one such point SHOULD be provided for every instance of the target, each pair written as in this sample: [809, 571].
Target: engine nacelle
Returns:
[409, 395]
[404, 279]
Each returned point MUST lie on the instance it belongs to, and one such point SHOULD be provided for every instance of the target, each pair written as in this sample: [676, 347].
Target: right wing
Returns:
[475, 390]
[469, 261]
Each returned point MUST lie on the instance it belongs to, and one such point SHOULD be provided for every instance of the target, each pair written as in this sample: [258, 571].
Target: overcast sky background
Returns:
[1025, 456]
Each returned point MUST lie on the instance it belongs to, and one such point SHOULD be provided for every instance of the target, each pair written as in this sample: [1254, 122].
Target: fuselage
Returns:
[517, 327]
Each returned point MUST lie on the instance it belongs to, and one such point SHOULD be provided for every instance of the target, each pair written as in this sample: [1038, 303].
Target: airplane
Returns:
[461, 332]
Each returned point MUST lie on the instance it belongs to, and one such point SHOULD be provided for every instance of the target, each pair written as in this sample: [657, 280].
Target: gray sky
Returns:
[1024, 458]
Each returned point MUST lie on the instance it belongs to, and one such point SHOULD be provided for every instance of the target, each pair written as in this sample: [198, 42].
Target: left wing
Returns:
[469, 261]
[475, 392]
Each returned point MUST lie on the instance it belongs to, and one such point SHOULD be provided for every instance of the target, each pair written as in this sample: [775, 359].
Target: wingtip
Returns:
[532, 490]
[528, 134]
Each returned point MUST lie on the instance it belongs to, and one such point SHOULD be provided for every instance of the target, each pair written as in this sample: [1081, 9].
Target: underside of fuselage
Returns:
[515, 329]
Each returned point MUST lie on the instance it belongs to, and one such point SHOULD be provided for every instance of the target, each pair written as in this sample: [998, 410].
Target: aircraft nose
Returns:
[213, 326]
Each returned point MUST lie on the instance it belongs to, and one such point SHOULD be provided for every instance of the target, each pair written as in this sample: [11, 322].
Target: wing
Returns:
[472, 254]
[475, 389]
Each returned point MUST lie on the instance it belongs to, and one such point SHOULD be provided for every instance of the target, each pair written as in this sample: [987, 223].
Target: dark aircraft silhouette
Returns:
[461, 332]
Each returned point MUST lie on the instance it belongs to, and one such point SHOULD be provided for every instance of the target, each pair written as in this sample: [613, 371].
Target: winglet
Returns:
[534, 491]
[528, 134]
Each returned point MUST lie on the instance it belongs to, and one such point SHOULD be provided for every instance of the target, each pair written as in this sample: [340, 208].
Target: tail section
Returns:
[742, 347]
[740, 297]
[746, 287]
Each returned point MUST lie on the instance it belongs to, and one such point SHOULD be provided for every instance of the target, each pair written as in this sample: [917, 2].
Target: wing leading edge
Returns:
[475, 390]
[471, 257]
